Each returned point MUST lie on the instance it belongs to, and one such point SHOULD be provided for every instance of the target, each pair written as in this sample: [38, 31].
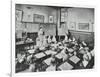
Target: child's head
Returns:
[53, 60]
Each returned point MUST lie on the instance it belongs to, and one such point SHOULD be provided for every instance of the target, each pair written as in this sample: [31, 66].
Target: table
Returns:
[22, 46]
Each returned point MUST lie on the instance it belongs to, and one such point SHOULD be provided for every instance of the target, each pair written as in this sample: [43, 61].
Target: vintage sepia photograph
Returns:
[53, 38]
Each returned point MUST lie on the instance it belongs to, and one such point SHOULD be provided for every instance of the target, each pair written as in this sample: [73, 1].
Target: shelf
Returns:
[23, 43]
[41, 23]
[49, 23]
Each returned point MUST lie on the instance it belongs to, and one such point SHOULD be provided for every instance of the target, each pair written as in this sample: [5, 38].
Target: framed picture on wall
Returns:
[51, 19]
[38, 18]
[72, 26]
[83, 26]
[27, 17]
[18, 15]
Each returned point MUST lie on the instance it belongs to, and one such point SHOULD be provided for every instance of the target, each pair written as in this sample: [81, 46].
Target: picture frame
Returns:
[38, 18]
[83, 26]
[51, 19]
[27, 17]
[18, 15]
[72, 26]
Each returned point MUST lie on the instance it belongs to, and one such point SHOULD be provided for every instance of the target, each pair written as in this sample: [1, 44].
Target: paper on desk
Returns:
[65, 66]
[74, 59]
[29, 57]
[31, 51]
[48, 61]
[59, 56]
[39, 55]
[61, 47]
[62, 54]
[51, 68]
[50, 52]
[70, 50]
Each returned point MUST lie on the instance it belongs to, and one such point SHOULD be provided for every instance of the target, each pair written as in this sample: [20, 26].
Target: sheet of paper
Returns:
[74, 59]
[65, 66]
[48, 61]
[51, 68]
[31, 51]
[50, 52]
[40, 55]
[59, 56]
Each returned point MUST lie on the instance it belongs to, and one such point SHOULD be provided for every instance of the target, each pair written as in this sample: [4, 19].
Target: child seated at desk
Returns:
[86, 56]
[52, 66]
[20, 57]
[20, 62]
[32, 64]
[63, 53]
[49, 39]
[54, 39]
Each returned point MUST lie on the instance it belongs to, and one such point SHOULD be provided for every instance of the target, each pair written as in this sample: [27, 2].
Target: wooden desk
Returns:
[21, 46]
